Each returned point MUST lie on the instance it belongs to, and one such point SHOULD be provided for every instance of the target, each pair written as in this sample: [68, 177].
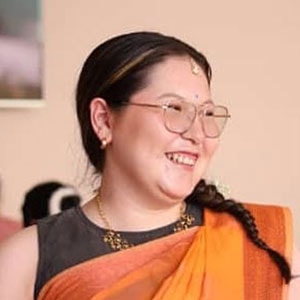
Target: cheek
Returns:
[211, 145]
[209, 148]
[142, 131]
[148, 129]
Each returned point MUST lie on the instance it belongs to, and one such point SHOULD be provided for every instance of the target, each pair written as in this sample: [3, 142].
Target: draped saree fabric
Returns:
[211, 262]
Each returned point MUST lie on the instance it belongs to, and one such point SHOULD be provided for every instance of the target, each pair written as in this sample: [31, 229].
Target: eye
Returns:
[209, 112]
[178, 107]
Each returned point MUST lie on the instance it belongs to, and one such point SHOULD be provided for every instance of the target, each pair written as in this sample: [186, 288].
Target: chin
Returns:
[178, 193]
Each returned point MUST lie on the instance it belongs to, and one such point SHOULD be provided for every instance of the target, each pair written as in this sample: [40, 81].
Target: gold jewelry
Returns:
[116, 242]
[103, 143]
[195, 66]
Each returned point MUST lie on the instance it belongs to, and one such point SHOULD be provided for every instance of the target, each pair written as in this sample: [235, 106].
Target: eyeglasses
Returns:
[179, 115]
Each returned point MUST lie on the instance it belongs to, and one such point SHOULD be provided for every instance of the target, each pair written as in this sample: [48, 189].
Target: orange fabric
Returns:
[288, 250]
[263, 278]
[84, 280]
[202, 273]
[188, 265]
[211, 262]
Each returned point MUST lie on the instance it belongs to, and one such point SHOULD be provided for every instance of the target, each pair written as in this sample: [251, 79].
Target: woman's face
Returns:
[148, 157]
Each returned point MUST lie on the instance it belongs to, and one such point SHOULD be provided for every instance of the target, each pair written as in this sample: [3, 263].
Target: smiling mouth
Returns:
[182, 159]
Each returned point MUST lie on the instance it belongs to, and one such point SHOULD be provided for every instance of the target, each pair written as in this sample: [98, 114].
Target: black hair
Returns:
[208, 196]
[117, 69]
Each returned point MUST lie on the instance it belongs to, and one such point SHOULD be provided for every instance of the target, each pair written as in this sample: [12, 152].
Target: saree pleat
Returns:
[84, 280]
[211, 262]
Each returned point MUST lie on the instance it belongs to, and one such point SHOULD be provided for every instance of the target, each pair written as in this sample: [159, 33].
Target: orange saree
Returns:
[211, 262]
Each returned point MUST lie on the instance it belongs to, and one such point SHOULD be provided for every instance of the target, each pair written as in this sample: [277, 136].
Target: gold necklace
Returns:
[116, 242]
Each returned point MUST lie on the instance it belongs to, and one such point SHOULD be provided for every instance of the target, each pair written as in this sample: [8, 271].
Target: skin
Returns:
[137, 169]
[141, 188]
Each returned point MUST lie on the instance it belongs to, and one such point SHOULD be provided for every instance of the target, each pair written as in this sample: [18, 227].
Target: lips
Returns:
[187, 159]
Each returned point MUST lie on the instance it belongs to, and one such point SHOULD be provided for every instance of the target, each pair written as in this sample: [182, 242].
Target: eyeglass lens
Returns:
[179, 116]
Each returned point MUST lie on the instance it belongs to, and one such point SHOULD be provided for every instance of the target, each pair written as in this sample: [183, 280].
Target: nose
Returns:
[195, 132]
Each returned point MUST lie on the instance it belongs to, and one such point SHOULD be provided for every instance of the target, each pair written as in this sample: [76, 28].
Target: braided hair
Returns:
[208, 196]
[120, 67]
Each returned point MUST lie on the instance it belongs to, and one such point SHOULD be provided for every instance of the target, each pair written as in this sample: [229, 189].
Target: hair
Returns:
[116, 70]
[208, 196]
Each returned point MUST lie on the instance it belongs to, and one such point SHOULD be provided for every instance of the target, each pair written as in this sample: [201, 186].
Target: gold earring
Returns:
[103, 143]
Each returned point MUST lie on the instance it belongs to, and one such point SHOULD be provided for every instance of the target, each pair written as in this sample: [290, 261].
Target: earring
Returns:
[103, 143]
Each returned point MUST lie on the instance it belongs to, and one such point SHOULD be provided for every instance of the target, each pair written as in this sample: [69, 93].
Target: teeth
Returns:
[181, 159]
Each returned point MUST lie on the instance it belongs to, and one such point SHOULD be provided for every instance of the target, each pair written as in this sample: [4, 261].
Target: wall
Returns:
[254, 51]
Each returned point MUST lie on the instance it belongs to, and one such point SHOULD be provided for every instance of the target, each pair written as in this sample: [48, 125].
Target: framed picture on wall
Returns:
[21, 49]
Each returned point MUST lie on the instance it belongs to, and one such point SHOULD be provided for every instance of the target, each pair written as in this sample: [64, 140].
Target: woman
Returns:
[154, 229]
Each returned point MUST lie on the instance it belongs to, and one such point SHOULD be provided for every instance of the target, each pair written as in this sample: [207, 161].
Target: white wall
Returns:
[254, 50]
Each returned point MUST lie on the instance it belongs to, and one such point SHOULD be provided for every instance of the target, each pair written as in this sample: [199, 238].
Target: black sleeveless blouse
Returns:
[69, 238]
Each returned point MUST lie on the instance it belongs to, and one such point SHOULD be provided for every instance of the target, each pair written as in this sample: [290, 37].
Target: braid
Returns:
[208, 196]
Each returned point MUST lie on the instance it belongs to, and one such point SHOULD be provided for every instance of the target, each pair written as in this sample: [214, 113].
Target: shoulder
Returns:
[267, 214]
[21, 245]
[61, 223]
[270, 214]
[271, 217]
[8, 227]
[68, 215]
[18, 260]
[264, 207]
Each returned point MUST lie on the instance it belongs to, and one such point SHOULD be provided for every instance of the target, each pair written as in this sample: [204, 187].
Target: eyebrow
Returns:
[174, 95]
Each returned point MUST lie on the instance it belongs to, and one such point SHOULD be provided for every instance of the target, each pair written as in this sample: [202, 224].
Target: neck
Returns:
[130, 210]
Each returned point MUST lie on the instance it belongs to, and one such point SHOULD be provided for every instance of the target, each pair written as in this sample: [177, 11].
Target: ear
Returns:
[101, 119]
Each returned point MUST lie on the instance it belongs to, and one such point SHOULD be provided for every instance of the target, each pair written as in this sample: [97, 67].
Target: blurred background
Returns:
[253, 48]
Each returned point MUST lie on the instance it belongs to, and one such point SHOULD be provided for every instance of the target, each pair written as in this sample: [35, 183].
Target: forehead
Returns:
[175, 75]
